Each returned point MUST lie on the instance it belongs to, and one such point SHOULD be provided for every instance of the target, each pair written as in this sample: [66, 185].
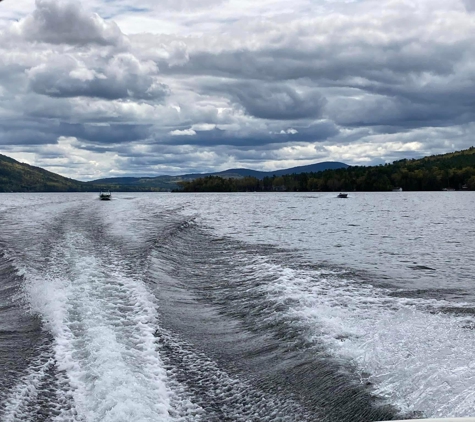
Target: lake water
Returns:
[237, 307]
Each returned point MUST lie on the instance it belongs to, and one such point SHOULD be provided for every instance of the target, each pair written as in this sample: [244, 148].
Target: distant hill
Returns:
[455, 170]
[451, 160]
[160, 183]
[312, 168]
[243, 172]
[20, 177]
[452, 171]
[171, 182]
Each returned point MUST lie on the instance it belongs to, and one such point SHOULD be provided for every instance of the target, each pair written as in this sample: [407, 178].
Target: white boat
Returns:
[105, 195]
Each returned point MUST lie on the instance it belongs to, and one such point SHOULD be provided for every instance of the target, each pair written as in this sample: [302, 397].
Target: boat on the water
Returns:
[342, 195]
[105, 195]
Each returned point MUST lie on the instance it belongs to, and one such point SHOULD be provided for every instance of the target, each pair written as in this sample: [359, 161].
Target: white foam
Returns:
[103, 320]
[416, 357]
[26, 390]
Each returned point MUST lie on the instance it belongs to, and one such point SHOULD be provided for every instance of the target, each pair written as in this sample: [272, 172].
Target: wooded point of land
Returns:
[448, 171]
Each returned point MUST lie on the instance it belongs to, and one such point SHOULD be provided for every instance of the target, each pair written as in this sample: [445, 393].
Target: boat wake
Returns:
[346, 345]
[135, 313]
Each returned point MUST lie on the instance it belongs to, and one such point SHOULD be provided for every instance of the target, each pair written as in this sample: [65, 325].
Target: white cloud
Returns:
[203, 127]
[185, 132]
[64, 22]
[289, 131]
[237, 82]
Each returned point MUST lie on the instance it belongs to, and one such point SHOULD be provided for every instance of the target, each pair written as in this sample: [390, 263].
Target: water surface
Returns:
[236, 307]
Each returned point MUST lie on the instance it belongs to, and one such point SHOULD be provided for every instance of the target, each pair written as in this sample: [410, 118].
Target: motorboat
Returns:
[342, 195]
[105, 195]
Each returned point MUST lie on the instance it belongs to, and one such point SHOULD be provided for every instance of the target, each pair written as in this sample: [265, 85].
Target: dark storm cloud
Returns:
[27, 131]
[398, 112]
[435, 101]
[123, 76]
[331, 61]
[422, 80]
[105, 134]
[37, 133]
[276, 102]
[25, 137]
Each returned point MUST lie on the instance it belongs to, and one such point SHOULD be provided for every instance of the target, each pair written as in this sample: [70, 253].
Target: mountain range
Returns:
[170, 182]
[21, 177]
[454, 170]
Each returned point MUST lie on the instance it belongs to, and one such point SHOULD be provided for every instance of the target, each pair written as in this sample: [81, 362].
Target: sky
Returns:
[109, 88]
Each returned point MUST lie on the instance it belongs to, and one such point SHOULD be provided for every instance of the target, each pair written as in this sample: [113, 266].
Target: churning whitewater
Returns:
[155, 307]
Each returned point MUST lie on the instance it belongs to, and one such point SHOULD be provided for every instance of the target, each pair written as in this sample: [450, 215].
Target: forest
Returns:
[447, 171]
[21, 177]
[455, 170]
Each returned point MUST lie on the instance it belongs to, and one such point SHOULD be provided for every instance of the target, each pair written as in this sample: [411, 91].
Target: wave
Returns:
[353, 336]
[138, 312]
[101, 361]
[215, 292]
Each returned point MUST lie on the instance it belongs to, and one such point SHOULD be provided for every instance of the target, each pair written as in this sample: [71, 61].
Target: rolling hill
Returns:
[171, 181]
[243, 172]
[454, 170]
[451, 171]
[20, 177]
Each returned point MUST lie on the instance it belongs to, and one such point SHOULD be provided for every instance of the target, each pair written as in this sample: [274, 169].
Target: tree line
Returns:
[448, 171]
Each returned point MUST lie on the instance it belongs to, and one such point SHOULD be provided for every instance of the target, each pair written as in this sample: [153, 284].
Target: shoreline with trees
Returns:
[453, 171]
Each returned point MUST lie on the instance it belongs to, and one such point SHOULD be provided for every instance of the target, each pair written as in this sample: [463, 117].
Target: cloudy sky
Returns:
[106, 88]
